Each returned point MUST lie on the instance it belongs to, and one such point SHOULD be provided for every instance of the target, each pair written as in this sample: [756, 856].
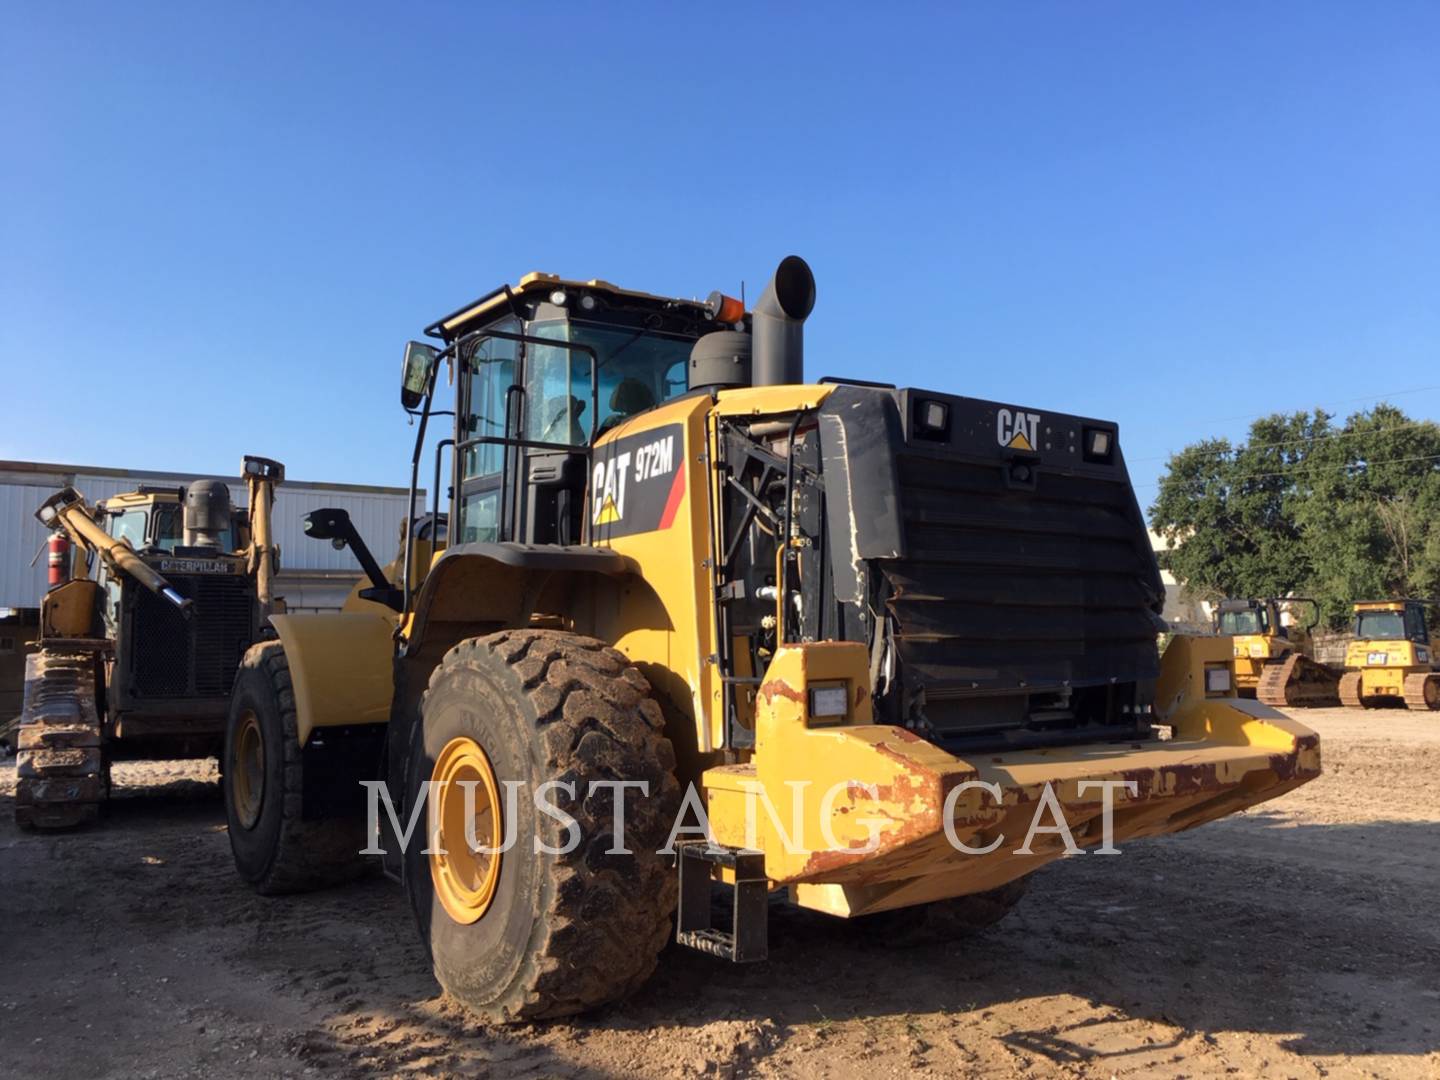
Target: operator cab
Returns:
[545, 369]
[152, 519]
[1243, 618]
[1391, 620]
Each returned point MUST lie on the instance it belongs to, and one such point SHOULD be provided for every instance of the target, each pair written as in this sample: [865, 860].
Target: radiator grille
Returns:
[1017, 590]
[175, 657]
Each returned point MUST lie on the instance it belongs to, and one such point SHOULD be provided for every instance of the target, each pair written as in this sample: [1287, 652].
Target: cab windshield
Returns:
[1380, 625]
[129, 525]
[160, 526]
[638, 370]
[1242, 622]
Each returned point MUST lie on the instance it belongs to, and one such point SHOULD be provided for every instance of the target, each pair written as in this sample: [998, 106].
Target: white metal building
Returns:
[314, 576]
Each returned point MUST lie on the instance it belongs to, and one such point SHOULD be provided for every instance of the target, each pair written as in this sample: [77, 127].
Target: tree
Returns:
[1370, 522]
[1305, 508]
[1229, 512]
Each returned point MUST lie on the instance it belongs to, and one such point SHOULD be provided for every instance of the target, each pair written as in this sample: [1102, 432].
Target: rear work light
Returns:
[829, 704]
[1099, 444]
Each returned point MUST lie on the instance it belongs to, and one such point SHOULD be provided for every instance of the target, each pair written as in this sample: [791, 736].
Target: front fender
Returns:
[341, 668]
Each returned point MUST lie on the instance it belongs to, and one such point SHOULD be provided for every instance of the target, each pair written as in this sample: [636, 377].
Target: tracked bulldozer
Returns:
[1389, 661]
[1275, 662]
[681, 580]
[137, 661]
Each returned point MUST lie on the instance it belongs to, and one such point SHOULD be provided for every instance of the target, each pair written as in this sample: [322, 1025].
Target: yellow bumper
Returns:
[855, 816]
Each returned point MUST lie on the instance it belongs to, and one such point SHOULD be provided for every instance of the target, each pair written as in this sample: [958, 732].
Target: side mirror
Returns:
[415, 373]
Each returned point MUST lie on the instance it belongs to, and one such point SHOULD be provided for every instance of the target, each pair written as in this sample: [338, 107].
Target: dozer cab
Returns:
[866, 632]
[1389, 661]
[1275, 662]
[136, 661]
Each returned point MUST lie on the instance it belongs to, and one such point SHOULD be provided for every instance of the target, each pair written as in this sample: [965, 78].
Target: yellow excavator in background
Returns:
[137, 662]
[1390, 659]
[1275, 662]
[680, 577]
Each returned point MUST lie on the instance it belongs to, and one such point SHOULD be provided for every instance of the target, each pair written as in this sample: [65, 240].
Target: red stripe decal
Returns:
[677, 492]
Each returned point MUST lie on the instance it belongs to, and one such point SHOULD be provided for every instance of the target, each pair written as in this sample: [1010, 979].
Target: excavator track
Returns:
[1298, 682]
[1422, 691]
[61, 773]
[1350, 690]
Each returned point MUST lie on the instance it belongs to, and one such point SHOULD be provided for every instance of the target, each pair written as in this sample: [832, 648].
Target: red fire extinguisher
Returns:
[59, 559]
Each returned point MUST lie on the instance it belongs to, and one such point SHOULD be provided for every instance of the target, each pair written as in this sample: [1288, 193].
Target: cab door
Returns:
[489, 378]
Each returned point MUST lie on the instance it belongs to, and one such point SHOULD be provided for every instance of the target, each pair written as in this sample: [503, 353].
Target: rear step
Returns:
[747, 940]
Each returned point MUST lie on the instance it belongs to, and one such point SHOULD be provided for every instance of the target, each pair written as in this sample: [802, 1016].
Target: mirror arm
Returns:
[414, 484]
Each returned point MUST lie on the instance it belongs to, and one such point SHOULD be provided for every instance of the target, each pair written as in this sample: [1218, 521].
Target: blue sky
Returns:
[1173, 215]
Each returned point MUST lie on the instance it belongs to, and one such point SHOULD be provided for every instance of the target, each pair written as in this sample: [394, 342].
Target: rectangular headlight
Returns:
[1217, 680]
[829, 702]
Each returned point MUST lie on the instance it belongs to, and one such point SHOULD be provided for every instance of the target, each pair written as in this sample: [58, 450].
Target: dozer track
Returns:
[1298, 682]
[61, 775]
[1350, 690]
[1422, 691]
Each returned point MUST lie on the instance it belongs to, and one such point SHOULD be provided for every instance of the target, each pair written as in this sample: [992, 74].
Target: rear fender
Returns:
[481, 588]
[341, 668]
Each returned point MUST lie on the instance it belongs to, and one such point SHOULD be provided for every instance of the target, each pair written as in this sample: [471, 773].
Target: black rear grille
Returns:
[179, 658]
[1018, 590]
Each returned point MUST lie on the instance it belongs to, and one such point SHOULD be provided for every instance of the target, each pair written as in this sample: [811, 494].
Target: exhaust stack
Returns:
[777, 324]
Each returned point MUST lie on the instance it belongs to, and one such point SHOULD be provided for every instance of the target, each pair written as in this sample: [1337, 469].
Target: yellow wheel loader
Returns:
[1274, 662]
[137, 661]
[874, 637]
[1389, 661]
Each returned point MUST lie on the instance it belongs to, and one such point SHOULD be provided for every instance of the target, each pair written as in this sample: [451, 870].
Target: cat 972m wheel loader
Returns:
[138, 661]
[871, 633]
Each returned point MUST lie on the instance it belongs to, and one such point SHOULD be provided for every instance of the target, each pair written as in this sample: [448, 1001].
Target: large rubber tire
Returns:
[569, 932]
[280, 852]
[946, 920]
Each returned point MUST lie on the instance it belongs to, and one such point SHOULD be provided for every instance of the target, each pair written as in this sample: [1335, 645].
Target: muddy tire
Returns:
[946, 920]
[275, 849]
[558, 933]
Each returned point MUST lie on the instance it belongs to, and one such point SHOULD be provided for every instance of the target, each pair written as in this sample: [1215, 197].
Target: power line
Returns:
[1300, 440]
[1341, 401]
[1308, 468]
[1325, 407]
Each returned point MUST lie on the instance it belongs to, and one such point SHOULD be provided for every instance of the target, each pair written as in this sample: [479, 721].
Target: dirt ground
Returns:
[1297, 940]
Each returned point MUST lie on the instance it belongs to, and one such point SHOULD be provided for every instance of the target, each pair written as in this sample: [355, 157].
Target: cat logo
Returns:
[609, 483]
[1017, 430]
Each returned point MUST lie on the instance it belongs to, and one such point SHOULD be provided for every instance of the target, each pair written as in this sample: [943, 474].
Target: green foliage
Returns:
[1307, 508]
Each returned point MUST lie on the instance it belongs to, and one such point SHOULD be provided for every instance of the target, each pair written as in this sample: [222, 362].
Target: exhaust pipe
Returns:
[777, 324]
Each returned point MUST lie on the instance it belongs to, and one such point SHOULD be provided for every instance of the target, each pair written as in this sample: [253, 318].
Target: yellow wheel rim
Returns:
[464, 879]
[249, 766]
